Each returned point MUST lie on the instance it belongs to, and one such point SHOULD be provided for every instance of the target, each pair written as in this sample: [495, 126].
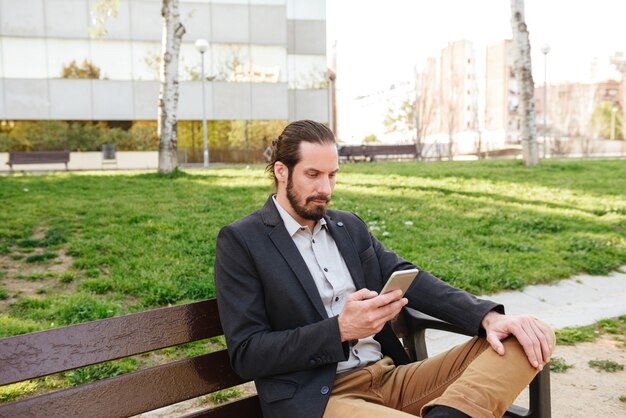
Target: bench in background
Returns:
[371, 152]
[38, 157]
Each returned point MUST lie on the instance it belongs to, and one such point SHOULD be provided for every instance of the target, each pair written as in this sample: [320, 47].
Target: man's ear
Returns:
[281, 171]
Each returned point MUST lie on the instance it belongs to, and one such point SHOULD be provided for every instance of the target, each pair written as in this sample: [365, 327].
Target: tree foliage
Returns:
[602, 121]
[401, 117]
[86, 70]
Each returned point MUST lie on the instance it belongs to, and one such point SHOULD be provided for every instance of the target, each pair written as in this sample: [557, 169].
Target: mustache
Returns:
[325, 198]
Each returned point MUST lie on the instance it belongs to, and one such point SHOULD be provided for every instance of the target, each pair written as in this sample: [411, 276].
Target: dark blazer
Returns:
[276, 327]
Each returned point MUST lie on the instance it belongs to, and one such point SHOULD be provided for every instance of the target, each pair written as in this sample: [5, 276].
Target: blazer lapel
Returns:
[348, 251]
[285, 245]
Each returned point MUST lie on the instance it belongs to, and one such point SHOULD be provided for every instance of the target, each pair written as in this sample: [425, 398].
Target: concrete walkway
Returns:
[581, 300]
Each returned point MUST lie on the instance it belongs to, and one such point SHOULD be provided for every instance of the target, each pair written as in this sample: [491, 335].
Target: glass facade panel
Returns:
[269, 64]
[146, 57]
[113, 58]
[230, 63]
[24, 57]
[190, 64]
[61, 52]
[307, 72]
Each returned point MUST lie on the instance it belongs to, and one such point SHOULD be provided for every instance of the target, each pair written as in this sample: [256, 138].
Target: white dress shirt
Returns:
[332, 278]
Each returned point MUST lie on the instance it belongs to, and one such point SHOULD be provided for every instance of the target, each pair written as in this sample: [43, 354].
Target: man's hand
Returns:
[366, 312]
[536, 337]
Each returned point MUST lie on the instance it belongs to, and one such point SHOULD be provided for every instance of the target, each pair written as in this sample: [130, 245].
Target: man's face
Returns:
[311, 181]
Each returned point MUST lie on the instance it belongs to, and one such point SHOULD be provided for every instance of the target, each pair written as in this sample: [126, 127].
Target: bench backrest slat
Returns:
[134, 393]
[42, 353]
[35, 157]
[372, 150]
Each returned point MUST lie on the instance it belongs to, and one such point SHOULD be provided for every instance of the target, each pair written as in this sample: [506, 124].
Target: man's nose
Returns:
[325, 186]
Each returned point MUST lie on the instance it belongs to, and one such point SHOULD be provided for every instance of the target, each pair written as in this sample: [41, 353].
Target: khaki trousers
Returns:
[471, 378]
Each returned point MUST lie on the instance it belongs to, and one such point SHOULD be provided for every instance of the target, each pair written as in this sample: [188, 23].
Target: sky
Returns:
[381, 42]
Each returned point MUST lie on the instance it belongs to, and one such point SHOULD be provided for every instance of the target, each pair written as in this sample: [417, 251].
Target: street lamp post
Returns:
[544, 50]
[202, 46]
[613, 112]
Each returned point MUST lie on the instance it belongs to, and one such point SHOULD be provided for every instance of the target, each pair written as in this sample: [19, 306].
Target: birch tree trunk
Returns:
[173, 32]
[524, 76]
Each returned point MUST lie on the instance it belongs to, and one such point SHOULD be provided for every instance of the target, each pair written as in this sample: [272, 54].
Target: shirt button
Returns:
[339, 223]
[325, 269]
[313, 241]
[324, 390]
[337, 299]
[356, 351]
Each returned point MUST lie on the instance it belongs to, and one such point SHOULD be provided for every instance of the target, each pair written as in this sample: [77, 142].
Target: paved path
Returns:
[581, 300]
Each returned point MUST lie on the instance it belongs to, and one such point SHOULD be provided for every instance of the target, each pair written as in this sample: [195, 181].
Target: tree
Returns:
[401, 117]
[604, 120]
[370, 139]
[426, 104]
[85, 71]
[173, 31]
[523, 74]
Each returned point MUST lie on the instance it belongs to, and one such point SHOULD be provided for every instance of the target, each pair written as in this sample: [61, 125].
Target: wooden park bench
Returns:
[38, 157]
[43, 353]
[371, 152]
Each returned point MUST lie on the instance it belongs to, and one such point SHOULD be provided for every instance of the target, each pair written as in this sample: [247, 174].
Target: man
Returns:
[297, 289]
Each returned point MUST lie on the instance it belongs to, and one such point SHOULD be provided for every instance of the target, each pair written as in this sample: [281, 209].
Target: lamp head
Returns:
[202, 45]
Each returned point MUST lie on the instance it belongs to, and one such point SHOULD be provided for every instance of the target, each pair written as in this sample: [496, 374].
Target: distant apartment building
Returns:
[570, 106]
[501, 93]
[266, 60]
[458, 91]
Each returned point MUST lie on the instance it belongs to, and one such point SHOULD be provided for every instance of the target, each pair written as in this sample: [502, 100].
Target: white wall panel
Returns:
[26, 99]
[112, 100]
[306, 9]
[268, 25]
[67, 18]
[196, 17]
[230, 23]
[308, 104]
[270, 101]
[190, 100]
[306, 37]
[2, 107]
[70, 99]
[117, 27]
[22, 17]
[146, 21]
[145, 99]
[231, 101]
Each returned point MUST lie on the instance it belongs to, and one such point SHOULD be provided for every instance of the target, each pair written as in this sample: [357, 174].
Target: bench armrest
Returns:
[411, 326]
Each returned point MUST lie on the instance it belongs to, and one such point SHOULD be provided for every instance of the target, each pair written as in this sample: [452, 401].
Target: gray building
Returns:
[266, 60]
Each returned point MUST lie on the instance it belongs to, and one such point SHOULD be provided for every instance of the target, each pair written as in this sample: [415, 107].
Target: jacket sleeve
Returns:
[434, 297]
[255, 349]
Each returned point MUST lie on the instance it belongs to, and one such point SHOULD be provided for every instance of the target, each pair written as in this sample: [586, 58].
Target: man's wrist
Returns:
[489, 318]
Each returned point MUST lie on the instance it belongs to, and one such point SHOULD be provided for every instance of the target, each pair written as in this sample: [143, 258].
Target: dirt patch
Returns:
[22, 279]
[585, 392]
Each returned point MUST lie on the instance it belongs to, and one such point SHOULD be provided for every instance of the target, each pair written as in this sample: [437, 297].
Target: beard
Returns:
[314, 213]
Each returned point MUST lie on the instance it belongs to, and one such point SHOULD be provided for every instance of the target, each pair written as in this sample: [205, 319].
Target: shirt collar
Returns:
[291, 224]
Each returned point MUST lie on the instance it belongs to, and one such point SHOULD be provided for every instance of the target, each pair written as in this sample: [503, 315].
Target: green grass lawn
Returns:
[93, 246]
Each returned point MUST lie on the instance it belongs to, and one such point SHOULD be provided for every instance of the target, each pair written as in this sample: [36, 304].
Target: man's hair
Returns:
[286, 148]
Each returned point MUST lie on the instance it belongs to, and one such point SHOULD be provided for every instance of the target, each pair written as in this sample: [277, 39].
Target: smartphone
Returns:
[400, 280]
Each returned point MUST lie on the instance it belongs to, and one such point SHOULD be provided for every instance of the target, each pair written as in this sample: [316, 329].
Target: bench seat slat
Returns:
[46, 352]
[247, 407]
[133, 393]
